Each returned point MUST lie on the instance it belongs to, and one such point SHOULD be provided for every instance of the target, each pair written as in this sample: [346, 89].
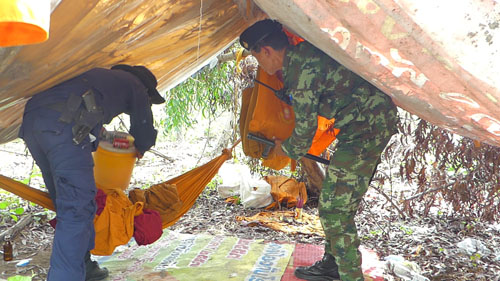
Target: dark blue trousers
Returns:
[68, 174]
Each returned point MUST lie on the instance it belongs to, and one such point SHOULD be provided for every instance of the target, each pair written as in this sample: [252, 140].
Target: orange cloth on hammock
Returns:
[162, 198]
[115, 225]
[172, 199]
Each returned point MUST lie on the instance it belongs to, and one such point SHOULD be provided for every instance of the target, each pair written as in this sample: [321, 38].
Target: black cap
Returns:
[258, 31]
[147, 78]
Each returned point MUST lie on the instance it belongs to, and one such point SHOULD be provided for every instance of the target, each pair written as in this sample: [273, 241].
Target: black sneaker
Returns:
[92, 270]
[324, 270]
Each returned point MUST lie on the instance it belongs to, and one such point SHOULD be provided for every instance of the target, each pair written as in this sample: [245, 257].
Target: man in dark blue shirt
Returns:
[61, 127]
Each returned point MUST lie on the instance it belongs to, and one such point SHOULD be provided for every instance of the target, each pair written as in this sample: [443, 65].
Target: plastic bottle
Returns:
[7, 249]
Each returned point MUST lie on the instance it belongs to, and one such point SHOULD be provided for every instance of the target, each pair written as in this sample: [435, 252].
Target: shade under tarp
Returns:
[173, 39]
[436, 59]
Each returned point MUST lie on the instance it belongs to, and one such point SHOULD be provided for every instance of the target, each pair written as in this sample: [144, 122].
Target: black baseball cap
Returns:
[147, 78]
[258, 31]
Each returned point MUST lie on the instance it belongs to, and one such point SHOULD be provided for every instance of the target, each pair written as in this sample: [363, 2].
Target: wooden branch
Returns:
[14, 230]
[16, 153]
[373, 217]
[428, 191]
[157, 153]
[390, 201]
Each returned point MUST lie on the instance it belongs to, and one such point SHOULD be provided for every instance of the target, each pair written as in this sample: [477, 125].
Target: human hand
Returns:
[277, 148]
[138, 154]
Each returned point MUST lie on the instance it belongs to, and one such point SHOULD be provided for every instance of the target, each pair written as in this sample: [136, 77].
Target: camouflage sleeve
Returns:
[305, 103]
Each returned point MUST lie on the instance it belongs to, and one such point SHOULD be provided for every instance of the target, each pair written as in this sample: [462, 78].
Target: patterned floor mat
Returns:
[190, 257]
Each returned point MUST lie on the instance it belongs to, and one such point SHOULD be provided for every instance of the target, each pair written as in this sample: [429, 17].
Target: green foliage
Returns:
[256, 168]
[372, 234]
[237, 199]
[377, 232]
[10, 207]
[20, 278]
[36, 173]
[214, 183]
[406, 230]
[206, 92]
[475, 259]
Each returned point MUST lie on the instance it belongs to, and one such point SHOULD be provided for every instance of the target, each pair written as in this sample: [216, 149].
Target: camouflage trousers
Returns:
[347, 179]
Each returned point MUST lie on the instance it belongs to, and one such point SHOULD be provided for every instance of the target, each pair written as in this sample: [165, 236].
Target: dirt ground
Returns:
[431, 243]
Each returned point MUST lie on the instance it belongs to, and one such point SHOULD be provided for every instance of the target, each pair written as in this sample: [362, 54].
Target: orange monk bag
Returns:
[265, 115]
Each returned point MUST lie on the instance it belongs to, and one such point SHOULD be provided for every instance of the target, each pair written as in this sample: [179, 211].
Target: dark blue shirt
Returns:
[117, 92]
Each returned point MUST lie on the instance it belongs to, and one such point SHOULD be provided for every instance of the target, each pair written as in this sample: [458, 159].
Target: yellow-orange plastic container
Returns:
[113, 166]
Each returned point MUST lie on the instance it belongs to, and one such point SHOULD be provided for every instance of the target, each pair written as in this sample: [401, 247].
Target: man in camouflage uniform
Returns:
[315, 84]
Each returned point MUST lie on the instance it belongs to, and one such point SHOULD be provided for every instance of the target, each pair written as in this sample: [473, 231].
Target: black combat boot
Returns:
[92, 270]
[324, 270]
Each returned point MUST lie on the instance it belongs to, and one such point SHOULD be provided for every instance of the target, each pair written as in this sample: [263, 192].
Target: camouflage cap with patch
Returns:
[258, 31]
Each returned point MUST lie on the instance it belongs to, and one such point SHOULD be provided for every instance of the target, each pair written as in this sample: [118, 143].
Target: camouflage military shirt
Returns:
[315, 84]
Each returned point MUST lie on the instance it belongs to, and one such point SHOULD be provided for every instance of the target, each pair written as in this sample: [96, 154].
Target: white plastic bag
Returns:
[230, 175]
[471, 246]
[404, 269]
[236, 179]
[255, 193]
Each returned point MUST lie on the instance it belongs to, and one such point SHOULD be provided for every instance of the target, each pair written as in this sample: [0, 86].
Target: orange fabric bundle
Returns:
[284, 189]
[115, 225]
[162, 198]
[325, 135]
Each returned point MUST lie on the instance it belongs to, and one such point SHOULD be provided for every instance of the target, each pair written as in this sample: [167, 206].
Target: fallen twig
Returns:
[372, 216]
[15, 153]
[428, 191]
[390, 201]
[157, 153]
[14, 230]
